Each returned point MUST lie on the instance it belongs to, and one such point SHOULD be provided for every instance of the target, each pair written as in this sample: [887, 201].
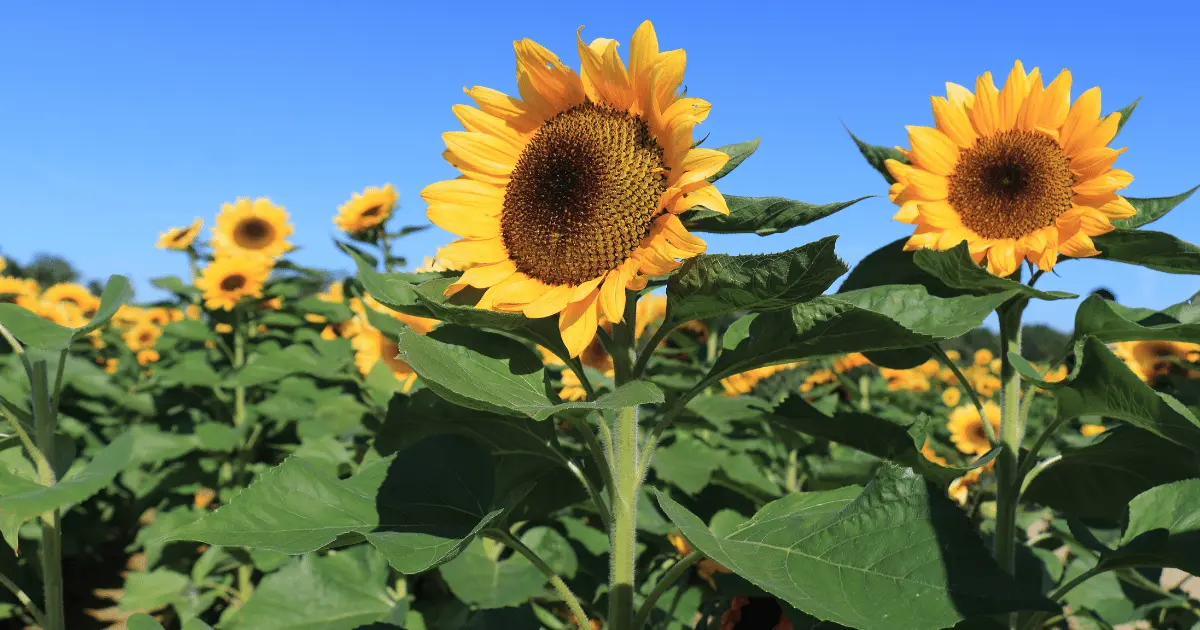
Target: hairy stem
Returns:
[564, 591]
[1012, 431]
[46, 425]
[623, 533]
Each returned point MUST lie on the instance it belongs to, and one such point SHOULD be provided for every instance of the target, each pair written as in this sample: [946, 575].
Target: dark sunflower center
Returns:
[583, 195]
[254, 233]
[1011, 184]
[373, 211]
[233, 283]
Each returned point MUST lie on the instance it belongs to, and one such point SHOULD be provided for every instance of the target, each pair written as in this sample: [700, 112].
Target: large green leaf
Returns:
[73, 489]
[272, 365]
[718, 284]
[490, 372]
[1108, 321]
[877, 155]
[1151, 209]
[190, 369]
[419, 507]
[920, 564]
[737, 154]
[117, 291]
[482, 580]
[1163, 530]
[957, 270]
[33, 331]
[151, 590]
[1154, 250]
[336, 592]
[878, 318]
[142, 621]
[760, 215]
[688, 463]
[1099, 480]
[1103, 386]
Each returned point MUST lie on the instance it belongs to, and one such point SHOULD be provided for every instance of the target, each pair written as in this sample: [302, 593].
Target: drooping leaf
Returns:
[269, 366]
[483, 581]
[1099, 480]
[419, 507]
[737, 154]
[877, 155]
[117, 291]
[1154, 250]
[717, 284]
[1163, 530]
[335, 592]
[151, 590]
[763, 216]
[1109, 322]
[1103, 386]
[72, 489]
[924, 556]
[1151, 209]
[959, 271]
[33, 331]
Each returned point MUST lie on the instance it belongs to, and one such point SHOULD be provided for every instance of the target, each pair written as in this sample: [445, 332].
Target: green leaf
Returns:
[116, 292]
[760, 215]
[482, 581]
[878, 318]
[191, 369]
[1110, 322]
[688, 463]
[72, 489]
[190, 330]
[1103, 386]
[174, 285]
[1154, 250]
[142, 621]
[336, 592]
[1126, 112]
[1163, 530]
[151, 590]
[876, 156]
[737, 154]
[924, 567]
[33, 331]
[1151, 209]
[268, 366]
[1097, 481]
[419, 507]
[717, 284]
[956, 269]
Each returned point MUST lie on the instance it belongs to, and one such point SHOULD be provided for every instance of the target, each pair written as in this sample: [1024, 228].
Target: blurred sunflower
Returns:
[849, 362]
[960, 488]
[147, 356]
[372, 346]
[951, 396]
[252, 227]
[966, 428]
[931, 455]
[1018, 173]
[366, 210]
[180, 238]
[745, 382]
[142, 337]
[983, 356]
[1089, 430]
[1150, 360]
[3, 264]
[905, 380]
[75, 294]
[818, 378]
[226, 280]
[11, 289]
[570, 193]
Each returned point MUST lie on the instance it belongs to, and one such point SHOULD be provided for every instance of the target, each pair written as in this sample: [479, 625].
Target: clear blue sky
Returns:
[118, 120]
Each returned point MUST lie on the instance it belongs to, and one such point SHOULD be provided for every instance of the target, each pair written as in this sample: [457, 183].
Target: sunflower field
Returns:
[574, 418]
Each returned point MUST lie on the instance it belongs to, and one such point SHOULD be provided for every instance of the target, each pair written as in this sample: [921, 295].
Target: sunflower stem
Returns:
[385, 248]
[948, 362]
[239, 360]
[623, 554]
[45, 426]
[1012, 431]
[564, 591]
[665, 583]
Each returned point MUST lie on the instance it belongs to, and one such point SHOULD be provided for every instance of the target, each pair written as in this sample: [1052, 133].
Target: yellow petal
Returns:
[484, 251]
[467, 194]
[1110, 181]
[586, 288]
[939, 214]
[516, 292]
[612, 297]
[985, 113]
[932, 150]
[474, 119]
[556, 84]
[1031, 106]
[553, 301]
[464, 222]
[1093, 161]
[643, 53]
[921, 183]
[959, 95]
[678, 235]
[1008, 105]
[953, 121]
[577, 324]
[1118, 208]
[1079, 246]
[501, 106]
[479, 151]
[484, 276]
[1081, 121]
[907, 213]
[667, 77]
[1002, 258]
[707, 196]
[1055, 102]
[699, 164]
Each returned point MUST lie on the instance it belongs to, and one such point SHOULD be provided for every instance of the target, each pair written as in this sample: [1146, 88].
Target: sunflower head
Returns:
[180, 238]
[228, 279]
[142, 336]
[966, 428]
[1018, 173]
[252, 227]
[73, 294]
[1152, 360]
[569, 195]
[368, 209]
[13, 289]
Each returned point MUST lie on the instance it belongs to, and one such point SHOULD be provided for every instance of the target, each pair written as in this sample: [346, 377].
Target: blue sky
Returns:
[119, 120]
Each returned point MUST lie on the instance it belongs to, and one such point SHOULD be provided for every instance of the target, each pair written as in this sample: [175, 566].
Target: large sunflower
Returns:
[569, 195]
[228, 279]
[1018, 173]
[252, 227]
[366, 210]
[180, 238]
[1151, 360]
[74, 294]
[966, 427]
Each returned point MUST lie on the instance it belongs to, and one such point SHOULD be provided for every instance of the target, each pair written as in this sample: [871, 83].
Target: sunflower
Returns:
[745, 382]
[142, 337]
[13, 288]
[951, 397]
[252, 227]
[966, 428]
[1150, 360]
[849, 362]
[75, 294]
[960, 488]
[180, 238]
[570, 195]
[1019, 173]
[930, 454]
[372, 346]
[65, 313]
[905, 380]
[3, 264]
[228, 279]
[1091, 430]
[366, 210]
[147, 356]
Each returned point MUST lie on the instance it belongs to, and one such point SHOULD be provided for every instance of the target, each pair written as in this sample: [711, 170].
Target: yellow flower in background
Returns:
[3, 264]
[983, 356]
[1018, 173]
[180, 238]
[372, 346]
[142, 336]
[65, 313]
[1089, 430]
[13, 288]
[960, 488]
[159, 315]
[905, 380]
[849, 362]
[110, 366]
[223, 328]
[966, 428]
[226, 280]
[252, 227]
[951, 397]
[745, 382]
[816, 379]
[366, 210]
[74, 294]
[193, 311]
[994, 366]
[1053, 375]
[570, 194]
[147, 356]
[273, 304]
[931, 455]
[1152, 359]
[953, 355]
[929, 368]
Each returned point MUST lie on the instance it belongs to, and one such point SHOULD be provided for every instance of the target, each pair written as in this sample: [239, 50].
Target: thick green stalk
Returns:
[1012, 431]
[239, 359]
[385, 247]
[623, 536]
[52, 578]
